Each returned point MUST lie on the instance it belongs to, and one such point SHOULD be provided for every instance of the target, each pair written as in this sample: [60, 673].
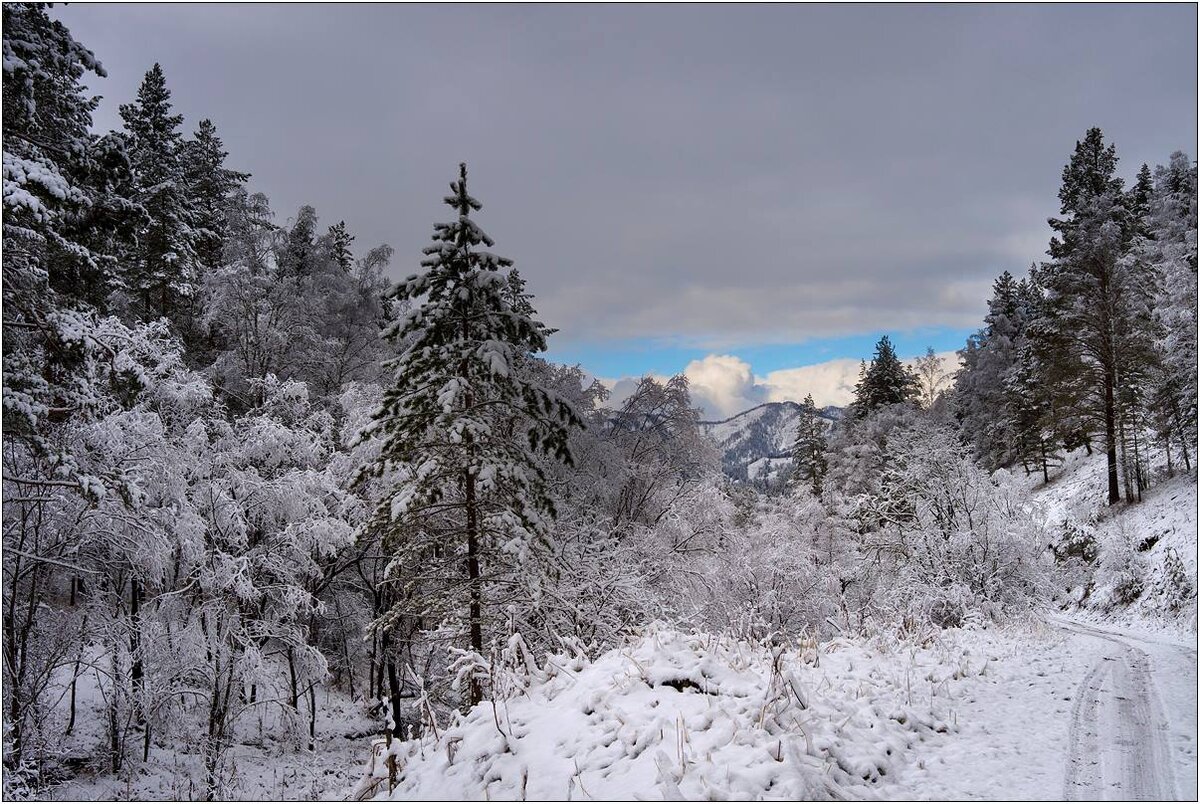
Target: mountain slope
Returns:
[764, 432]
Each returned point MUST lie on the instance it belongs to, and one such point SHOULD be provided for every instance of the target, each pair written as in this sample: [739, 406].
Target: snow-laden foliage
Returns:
[461, 429]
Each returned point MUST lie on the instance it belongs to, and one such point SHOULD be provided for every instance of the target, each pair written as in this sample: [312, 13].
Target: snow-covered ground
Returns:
[674, 715]
[1069, 711]
[1043, 709]
[1139, 541]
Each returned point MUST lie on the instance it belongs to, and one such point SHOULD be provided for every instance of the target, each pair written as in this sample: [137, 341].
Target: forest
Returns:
[246, 469]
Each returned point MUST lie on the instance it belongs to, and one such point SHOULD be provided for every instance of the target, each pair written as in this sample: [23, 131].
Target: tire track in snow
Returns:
[1119, 745]
[1084, 752]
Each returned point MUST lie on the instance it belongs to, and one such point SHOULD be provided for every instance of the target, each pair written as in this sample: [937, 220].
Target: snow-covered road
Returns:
[1082, 712]
[1120, 744]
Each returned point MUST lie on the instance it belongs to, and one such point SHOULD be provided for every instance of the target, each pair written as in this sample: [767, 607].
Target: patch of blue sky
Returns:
[633, 357]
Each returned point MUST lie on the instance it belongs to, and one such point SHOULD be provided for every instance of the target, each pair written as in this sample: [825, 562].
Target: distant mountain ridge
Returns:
[755, 440]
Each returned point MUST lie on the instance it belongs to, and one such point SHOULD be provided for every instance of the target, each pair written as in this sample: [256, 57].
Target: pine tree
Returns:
[339, 239]
[1170, 250]
[983, 396]
[808, 453]
[886, 381]
[211, 186]
[1089, 324]
[461, 433]
[298, 250]
[64, 218]
[164, 272]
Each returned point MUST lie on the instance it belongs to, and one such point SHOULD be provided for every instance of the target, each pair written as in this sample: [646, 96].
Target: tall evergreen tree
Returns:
[211, 186]
[65, 215]
[298, 251]
[1089, 325]
[886, 381]
[808, 453]
[163, 275]
[461, 432]
[983, 398]
[339, 239]
[1170, 250]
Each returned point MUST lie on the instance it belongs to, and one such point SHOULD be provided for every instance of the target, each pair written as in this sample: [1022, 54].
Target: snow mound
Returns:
[675, 715]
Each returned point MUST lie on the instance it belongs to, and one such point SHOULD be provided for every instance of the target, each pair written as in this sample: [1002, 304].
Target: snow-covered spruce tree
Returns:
[297, 250]
[886, 381]
[1171, 249]
[462, 432]
[808, 453]
[998, 395]
[339, 240]
[212, 186]
[1093, 321]
[162, 276]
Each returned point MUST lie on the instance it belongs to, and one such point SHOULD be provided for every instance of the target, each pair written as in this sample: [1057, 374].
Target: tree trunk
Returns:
[394, 692]
[312, 716]
[294, 691]
[114, 734]
[476, 593]
[384, 659]
[75, 582]
[1110, 437]
[137, 672]
[1126, 466]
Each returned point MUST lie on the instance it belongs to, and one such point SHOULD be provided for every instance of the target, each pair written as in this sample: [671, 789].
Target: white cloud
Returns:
[725, 385]
[722, 385]
[830, 383]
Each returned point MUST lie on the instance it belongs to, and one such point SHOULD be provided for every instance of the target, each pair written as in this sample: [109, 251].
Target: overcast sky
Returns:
[774, 184]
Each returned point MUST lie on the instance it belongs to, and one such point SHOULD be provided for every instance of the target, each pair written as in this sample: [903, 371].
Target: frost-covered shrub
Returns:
[1176, 589]
[771, 579]
[1120, 576]
[1077, 540]
[941, 537]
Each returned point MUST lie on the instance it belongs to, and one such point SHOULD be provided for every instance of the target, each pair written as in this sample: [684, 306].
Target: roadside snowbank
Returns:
[675, 715]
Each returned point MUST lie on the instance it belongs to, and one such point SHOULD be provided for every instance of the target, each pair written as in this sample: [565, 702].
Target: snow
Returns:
[1016, 718]
[674, 715]
[1152, 532]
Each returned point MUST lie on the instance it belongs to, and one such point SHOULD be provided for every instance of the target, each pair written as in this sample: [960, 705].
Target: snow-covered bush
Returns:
[1175, 587]
[941, 540]
[1120, 575]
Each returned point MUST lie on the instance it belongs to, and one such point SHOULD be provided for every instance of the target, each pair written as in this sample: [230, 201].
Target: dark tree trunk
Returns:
[294, 692]
[384, 659]
[114, 734]
[75, 584]
[1110, 437]
[476, 604]
[137, 672]
[312, 717]
[394, 692]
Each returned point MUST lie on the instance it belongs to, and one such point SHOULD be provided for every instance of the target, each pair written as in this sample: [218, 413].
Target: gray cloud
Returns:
[724, 173]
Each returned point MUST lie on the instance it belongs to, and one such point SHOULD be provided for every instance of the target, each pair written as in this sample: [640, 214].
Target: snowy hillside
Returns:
[767, 431]
[1144, 562]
